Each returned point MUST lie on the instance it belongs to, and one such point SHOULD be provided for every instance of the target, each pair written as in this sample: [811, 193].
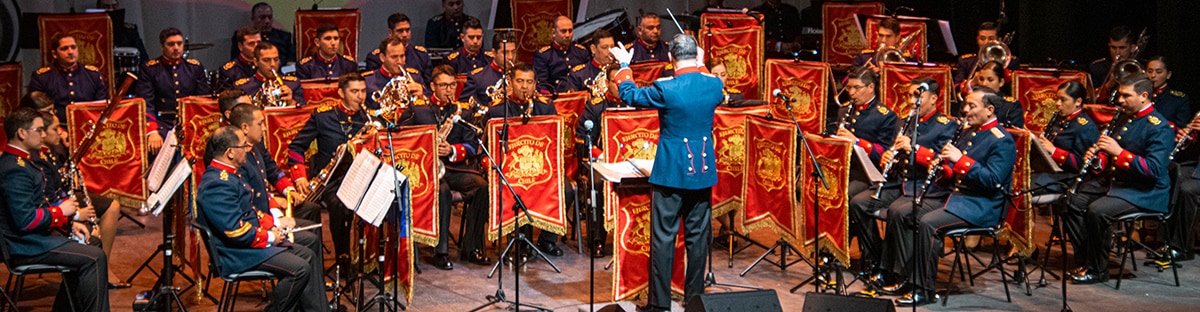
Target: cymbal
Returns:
[197, 46]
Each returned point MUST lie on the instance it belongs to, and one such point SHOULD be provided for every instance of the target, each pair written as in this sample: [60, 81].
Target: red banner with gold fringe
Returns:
[769, 185]
[93, 34]
[627, 134]
[416, 152]
[282, 125]
[741, 51]
[320, 93]
[1038, 92]
[536, 18]
[894, 81]
[631, 254]
[1018, 229]
[729, 141]
[644, 74]
[807, 84]
[833, 155]
[1102, 114]
[10, 89]
[114, 165]
[533, 165]
[346, 20]
[907, 26]
[725, 20]
[842, 38]
[569, 106]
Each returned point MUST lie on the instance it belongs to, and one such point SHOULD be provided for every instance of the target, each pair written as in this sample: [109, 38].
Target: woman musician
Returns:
[1070, 133]
[991, 75]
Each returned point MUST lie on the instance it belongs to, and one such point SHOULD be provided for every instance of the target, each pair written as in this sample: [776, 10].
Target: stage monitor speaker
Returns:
[742, 301]
[611, 308]
[818, 302]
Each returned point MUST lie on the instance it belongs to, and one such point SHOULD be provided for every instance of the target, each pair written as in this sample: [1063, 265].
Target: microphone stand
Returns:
[592, 217]
[917, 198]
[819, 176]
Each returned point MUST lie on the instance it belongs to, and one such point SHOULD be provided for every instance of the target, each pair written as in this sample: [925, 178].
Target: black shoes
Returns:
[476, 257]
[550, 249]
[1090, 277]
[442, 262]
[918, 297]
[896, 289]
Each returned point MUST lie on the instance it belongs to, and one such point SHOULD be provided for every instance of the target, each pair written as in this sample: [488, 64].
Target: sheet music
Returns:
[868, 166]
[1043, 163]
[380, 195]
[946, 36]
[162, 162]
[182, 171]
[629, 169]
[357, 179]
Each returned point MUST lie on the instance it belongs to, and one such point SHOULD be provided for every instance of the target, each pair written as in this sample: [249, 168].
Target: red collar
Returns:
[1160, 90]
[686, 70]
[383, 71]
[515, 100]
[597, 65]
[866, 105]
[438, 102]
[72, 68]
[929, 115]
[988, 125]
[174, 62]
[19, 152]
[244, 60]
[1072, 116]
[259, 77]
[347, 110]
[327, 61]
[648, 47]
[1145, 111]
[555, 45]
[468, 53]
[224, 167]
[44, 149]
[496, 67]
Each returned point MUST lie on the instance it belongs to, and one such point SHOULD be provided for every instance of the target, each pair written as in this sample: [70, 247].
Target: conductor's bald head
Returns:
[683, 47]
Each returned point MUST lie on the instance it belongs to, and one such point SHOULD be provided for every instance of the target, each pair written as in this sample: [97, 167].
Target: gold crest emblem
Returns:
[1154, 120]
[638, 232]
[846, 39]
[639, 143]
[224, 175]
[529, 161]
[769, 166]
[803, 92]
[737, 59]
[836, 189]
[541, 26]
[1082, 121]
[1045, 103]
[731, 155]
[113, 145]
[943, 120]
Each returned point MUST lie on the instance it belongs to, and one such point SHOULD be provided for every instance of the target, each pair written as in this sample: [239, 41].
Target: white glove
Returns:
[699, 56]
[621, 55]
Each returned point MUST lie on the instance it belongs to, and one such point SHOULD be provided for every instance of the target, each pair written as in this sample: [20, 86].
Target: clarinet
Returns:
[935, 166]
[1093, 161]
[1053, 127]
[893, 151]
[1185, 141]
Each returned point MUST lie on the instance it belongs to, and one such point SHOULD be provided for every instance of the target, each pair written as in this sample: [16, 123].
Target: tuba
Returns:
[994, 50]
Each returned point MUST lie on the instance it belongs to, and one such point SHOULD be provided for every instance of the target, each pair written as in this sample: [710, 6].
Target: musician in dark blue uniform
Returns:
[685, 166]
[504, 47]
[1173, 104]
[262, 18]
[581, 74]
[28, 219]
[1180, 112]
[242, 65]
[887, 36]
[988, 32]
[869, 123]
[593, 112]
[399, 27]
[781, 24]
[933, 131]
[247, 238]
[328, 63]
[331, 126]
[1073, 133]
[1121, 43]
[553, 62]
[66, 81]
[471, 55]
[392, 68]
[1009, 112]
[266, 61]
[649, 46]
[1134, 170]
[442, 30]
[165, 79]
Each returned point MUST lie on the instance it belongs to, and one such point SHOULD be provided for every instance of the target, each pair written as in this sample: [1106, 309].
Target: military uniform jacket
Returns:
[966, 63]
[280, 39]
[330, 126]
[49, 162]
[379, 78]
[686, 106]
[226, 205]
[462, 139]
[260, 171]
[478, 82]
[1175, 105]
[1098, 71]
[982, 176]
[161, 83]
[252, 84]
[581, 75]
[27, 218]
[442, 32]
[517, 108]
[464, 62]
[1077, 133]
[415, 57]
[80, 83]
[1009, 112]
[875, 126]
[235, 70]
[552, 63]
[593, 111]
[317, 67]
[643, 53]
[1139, 174]
[934, 130]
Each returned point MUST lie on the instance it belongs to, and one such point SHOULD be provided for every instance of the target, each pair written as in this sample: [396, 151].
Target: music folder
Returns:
[157, 200]
[162, 162]
[624, 171]
[1040, 160]
[859, 164]
[369, 187]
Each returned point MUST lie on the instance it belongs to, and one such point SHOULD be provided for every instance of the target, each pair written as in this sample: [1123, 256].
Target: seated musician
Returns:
[521, 104]
[331, 126]
[392, 56]
[1067, 139]
[582, 74]
[458, 150]
[733, 96]
[933, 131]
[162, 81]
[988, 32]
[887, 35]
[246, 39]
[976, 170]
[67, 81]
[553, 62]
[471, 55]
[328, 63]
[593, 112]
[1133, 170]
[866, 122]
[247, 238]
[266, 63]
[1177, 107]
[504, 48]
[400, 28]
[1009, 112]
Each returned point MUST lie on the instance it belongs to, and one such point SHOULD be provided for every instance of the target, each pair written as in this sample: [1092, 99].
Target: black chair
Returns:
[1125, 243]
[961, 252]
[229, 291]
[19, 272]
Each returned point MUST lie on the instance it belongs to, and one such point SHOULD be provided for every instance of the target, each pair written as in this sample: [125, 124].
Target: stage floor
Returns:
[465, 287]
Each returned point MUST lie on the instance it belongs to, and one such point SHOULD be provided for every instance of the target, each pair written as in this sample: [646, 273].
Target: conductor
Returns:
[684, 166]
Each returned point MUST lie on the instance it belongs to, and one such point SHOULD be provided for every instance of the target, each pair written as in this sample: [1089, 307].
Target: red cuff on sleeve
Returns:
[284, 183]
[963, 165]
[1060, 155]
[265, 220]
[57, 219]
[597, 153]
[298, 171]
[260, 238]
[624, 74]
[947, 172]
[1124, 160]
[460, 153]
[924, 156]
[864, 144]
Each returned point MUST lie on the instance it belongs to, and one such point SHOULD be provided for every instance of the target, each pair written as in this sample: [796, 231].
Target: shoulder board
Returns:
[375, 52]
[228, 66]
[733, 91]
[412, 70]
[324, 108]
[367, 73]
[91, 68]
[306, 60]
[1154, 120]
[882, 109]
[437, 18]
[628, 45]
[346, 57]
[1010, 99]
[497, 101]
[967, 56]
[578, 67]
[193, 61]
[289, 78]
[242, 81]
[20, 162]
[477, 70]
[865, 51]
[224, 176]
[597, 100]
[580, 46]
[452, 56]
[1082, 121]
[544, 49]
[943, 120]
[43, 70]
[542, 98]
[1178, 93]
[996, 132]
[489, 54]
[670, 66]
[1099, 60]
[665, 43]
[152, 62]
[419, 48]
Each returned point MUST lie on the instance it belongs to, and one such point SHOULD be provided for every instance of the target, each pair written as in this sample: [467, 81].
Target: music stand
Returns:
[939, 39]
[372, 202]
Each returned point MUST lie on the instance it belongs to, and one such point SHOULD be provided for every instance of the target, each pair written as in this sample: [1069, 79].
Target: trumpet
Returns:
[935, 166]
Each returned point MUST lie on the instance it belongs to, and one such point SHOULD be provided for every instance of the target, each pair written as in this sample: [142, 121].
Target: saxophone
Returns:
[443, 131]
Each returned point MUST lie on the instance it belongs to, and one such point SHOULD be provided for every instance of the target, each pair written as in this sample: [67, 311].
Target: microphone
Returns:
[587, 125]
[780, 95]
[458, 120]
[921, 88]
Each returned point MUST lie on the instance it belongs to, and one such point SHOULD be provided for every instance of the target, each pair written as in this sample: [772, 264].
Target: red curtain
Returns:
[807, 84]
[843, 39]
[1038, 92]
[115, 163]
[741, 50]
[536, 20]
[93, 35]
[895, 79]
[729, 141]
[833, 155]
[533, 165]
[769, 188]
[307, 21]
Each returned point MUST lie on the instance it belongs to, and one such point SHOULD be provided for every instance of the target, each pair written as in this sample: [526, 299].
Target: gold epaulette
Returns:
[1082, 121]
[1154, 120]
[1010, 99]
[967, 56]
[348, 58]
[628, 45]
[42, 70]
[1178, 93]
[151, 62]
[420, 48]
[477, 70]
[865, 51]
[943, 120]
[996, 132]
[578, 67]
[91, 68]
[489, 54]
[597, 100]
[193, 61]
[306, 60]
[242, 81]
[367, 73]
[544, 49]
[324, 108]
[229, 65]
[375, 52]
[580, 46]
[289, 78]
[882, 109]
[452, 56]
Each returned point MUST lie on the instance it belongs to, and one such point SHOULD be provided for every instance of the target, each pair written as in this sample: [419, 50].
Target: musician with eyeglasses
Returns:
[266, 64]
[866, 122]
[933, 130]
[459, 151]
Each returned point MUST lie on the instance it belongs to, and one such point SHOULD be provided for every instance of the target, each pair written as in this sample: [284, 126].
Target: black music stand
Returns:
[164, 292]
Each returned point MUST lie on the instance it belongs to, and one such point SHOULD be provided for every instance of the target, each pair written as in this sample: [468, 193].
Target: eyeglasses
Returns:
[247, 145]
[445, 85]
[38, 129]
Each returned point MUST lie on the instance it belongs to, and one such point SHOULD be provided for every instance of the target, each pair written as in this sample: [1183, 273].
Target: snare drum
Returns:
[615, 21]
